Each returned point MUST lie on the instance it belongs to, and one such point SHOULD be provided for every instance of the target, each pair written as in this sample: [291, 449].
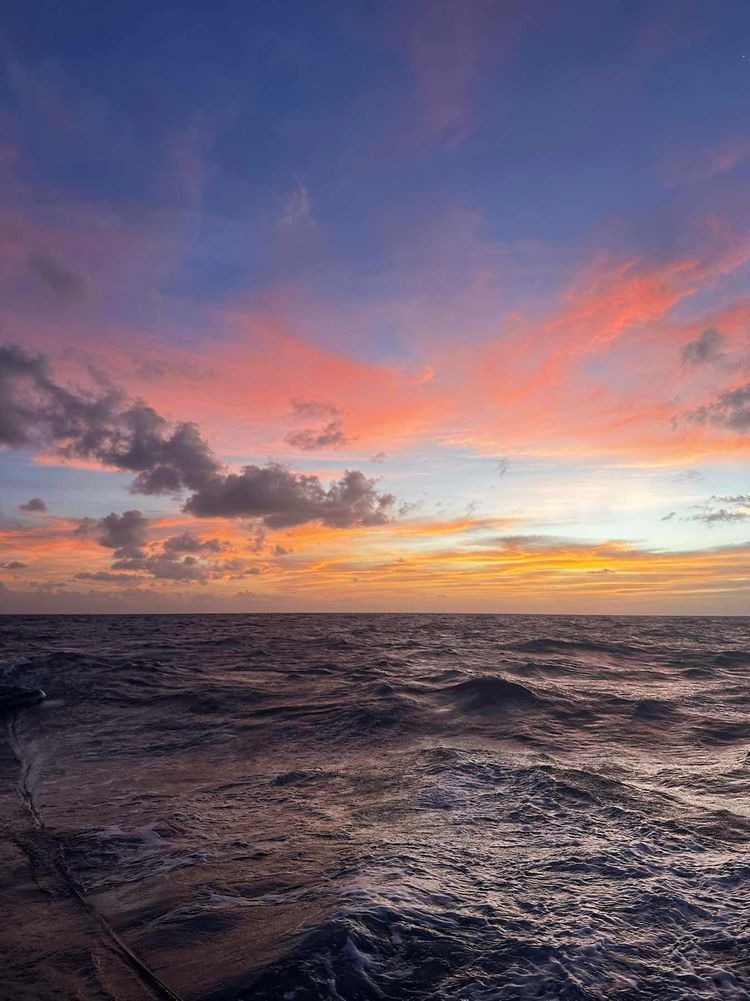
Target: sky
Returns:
[358, 306]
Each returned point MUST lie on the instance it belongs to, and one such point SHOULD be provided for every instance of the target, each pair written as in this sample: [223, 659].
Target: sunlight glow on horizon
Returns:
[457, 326]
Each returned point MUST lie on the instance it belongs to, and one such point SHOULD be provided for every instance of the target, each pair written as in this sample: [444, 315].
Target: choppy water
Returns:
[362, 807]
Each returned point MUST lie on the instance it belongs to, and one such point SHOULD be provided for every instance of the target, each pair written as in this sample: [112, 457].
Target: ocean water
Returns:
[356, 807]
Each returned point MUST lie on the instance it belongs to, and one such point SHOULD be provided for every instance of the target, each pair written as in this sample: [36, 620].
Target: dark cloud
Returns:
[125, 533]
[165, 566]
[279, 497]
[12, 565]
[37, 412]
[64, 282]
[670, 516]
[35, 505]
[189, 543]
[86, 527]
[331, 435]
[731, 410]
[313, 409]
[705, 348]
[502, 467]
[378, 457]
[281, 551]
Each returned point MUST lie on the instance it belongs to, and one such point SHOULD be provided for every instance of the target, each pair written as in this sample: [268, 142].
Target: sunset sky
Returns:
[375, 306]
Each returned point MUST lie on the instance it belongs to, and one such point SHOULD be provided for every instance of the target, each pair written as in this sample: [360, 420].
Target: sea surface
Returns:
[356, 807]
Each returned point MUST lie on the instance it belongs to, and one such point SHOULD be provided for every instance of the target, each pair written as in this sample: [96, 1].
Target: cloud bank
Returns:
[36, 412]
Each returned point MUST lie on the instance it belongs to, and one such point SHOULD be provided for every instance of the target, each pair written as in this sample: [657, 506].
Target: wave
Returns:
[491, 692]
[554, 645]
[326, 808]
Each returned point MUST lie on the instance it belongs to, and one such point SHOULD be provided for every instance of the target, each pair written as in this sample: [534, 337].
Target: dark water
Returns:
[362, 807]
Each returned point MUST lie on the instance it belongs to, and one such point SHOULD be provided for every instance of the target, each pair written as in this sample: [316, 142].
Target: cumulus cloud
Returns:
[189, 543]
[731, 410]
[331, 435]
[125, 533]
[64, 282]
[279, 498]
[34, 506]
[37, 412]
[705, 348]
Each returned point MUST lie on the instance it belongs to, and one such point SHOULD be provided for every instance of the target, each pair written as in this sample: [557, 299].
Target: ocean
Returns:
[356, 807]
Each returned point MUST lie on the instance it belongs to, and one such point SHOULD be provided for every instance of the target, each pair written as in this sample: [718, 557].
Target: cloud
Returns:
[331, 435]
[12, 565]
[705, 348]
[312, 409]
[165, 566]
[189, 543]
[125, 533]
[689, 476]
[35, 505]
[36, 412]
[180, 557]
[258, 539]
[378, 457]
[733, 509]
[731, 410]
[699, 163]
[670, 516]
[106, 575]
[279, 498]
[297, 210]
[447, 43]
[66, 284]
[720, 516]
